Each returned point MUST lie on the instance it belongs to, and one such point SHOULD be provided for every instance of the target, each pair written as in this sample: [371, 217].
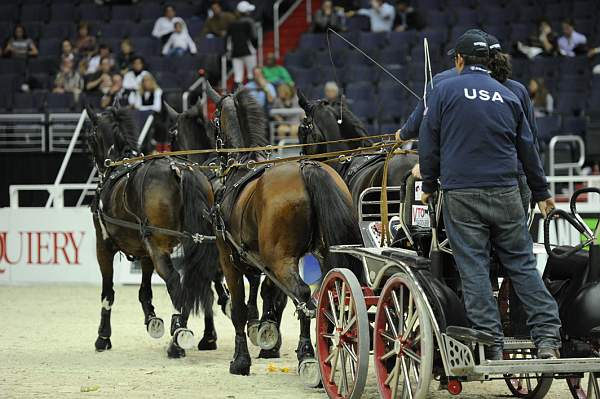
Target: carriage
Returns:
[406, 311]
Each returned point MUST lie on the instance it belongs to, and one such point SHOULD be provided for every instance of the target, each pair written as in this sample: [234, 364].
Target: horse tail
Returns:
[334, 218]
[200, 261]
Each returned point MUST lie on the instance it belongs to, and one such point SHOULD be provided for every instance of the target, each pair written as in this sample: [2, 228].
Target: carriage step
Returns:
[550, 366]
[513, 344]
[469, 335]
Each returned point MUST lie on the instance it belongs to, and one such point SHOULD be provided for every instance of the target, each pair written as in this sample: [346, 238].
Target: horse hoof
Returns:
[174, 351]
[184, 338]
[269, 354]
[155, 327]
[103, 344]
[268, 335]
[239, 368]
[253, 327]
[308, 369]
[207, 344]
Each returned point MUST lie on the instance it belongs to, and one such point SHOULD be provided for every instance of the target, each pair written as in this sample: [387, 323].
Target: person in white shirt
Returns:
[179, 42]
[133, 78]
[381, 14]
[571, 42]
[164, 26]
[148, 97]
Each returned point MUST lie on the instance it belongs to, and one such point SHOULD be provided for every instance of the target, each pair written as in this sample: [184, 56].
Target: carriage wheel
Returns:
[577, 386]
[342, 335]
[403, 347]
[526, 385]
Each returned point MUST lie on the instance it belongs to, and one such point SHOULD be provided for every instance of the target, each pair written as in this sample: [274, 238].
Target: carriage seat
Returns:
[565, 277]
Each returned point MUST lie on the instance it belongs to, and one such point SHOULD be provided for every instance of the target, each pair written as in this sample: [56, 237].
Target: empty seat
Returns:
[47, 65]
[63, 12]
[34, 12]
[125, 13]
[573, 125]
[28, 102]
[93, 12]
[390, 94]
[323, 58]
[50, 47]
[313, 41]
[339, 44]
[466, 16]
[390, 112]
[212, 45]
[360, 73]
[12, 65]
[548, 127]
[57, 30]
[6, 102]
[9, 13]
[363, 109]
[299, 58]
[150, 10]
[115, 29]
[370, 40]
[60, 102]
[302, 77]
[570, 103]
[360, 91]
[33, 29]
[143, 28]
[356, 58]
[393, 57]
[401, 40]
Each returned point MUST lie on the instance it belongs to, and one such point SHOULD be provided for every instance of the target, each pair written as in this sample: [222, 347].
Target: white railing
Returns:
[22, 133]
[55, 191]
[284, 112]
[186, 95]
[60, 129]
[591, 204]
[278, 21]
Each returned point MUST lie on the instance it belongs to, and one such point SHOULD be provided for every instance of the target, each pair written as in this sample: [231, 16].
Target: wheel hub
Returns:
[337, 338]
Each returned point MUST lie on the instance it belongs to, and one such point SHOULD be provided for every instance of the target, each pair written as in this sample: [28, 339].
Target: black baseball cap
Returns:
[473, 42]
[493, 44]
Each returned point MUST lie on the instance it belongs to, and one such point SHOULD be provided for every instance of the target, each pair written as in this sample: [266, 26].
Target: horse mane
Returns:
[252, 119]
[350, 122]
[123, 127]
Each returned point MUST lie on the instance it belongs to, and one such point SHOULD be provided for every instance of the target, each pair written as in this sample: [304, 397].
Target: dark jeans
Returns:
[525, 193]
[475, 220]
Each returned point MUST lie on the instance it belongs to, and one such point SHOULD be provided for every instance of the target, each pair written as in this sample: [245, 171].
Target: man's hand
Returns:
[425, 198]
[546, 206]
[398, 138]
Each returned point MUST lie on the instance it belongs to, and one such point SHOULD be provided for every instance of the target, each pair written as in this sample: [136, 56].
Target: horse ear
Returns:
[172, 113]
[91, 113]
[302, 101]
[212, 94]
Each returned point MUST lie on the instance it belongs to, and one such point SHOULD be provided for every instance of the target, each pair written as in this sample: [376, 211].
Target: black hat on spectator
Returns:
[493, 44]
[472, 43]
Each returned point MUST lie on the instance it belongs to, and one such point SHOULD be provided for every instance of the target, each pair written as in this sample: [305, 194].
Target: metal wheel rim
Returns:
[521, 385]
[343, 348]
[591, 390]
[403, 347]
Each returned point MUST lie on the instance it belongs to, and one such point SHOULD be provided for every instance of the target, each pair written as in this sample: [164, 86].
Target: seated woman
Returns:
[19, 45]
[149, 98]
[287, 99]
[68, 80]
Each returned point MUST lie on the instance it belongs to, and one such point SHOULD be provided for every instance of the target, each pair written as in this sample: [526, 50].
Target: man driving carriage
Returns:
[473, 134]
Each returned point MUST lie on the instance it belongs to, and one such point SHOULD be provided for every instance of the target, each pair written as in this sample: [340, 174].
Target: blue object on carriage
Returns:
[311, 269]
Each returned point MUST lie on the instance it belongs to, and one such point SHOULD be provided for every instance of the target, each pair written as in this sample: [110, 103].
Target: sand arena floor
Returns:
[47, 335]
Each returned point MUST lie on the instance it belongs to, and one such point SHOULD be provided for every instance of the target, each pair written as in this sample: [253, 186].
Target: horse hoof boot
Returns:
[184, 338]
[269, 354]
[155, 327]
[268, 335]
[174, 351]
[253, 327]
[103, 344]
[308, 369]
[207, 344]
[238, 367]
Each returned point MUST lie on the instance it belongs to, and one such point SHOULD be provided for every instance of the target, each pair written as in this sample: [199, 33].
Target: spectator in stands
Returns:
[276, 74]
[125, 56]
[381, 14]
[116, 94]
[180, 42]
[331, 92]
[19, 45]
[103, 52]
[68, 80]
[287, 99]
[165, 25]
[543, 102]
[148, 97]
[133, 78]
[85, 43]
[541, 42]
[218, 21]
[407, 18]
[327, 17]
[261, 90]
[571, 42]
[67, 50]
[242, 42]
[100, 81]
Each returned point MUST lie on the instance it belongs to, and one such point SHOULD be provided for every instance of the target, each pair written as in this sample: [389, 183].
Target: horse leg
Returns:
[224, 301]
[253, 322]
[239, 314]
[105, 259]
[182, 337]
[274, 301]
[154, 325]
[209, 339]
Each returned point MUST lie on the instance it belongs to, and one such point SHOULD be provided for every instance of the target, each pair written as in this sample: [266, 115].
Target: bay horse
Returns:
[362, 171]
[193, 132]
[267, 218]
[136, 209]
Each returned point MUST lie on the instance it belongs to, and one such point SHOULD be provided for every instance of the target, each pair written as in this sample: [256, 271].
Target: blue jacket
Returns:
[410, 130]
[473, 134]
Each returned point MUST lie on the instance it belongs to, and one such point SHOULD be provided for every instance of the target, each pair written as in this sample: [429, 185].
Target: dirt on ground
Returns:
[47, 335]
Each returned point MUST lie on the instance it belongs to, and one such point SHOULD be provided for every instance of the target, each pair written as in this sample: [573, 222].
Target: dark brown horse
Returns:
[362, 171]
[133, 202]
[268, 218]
